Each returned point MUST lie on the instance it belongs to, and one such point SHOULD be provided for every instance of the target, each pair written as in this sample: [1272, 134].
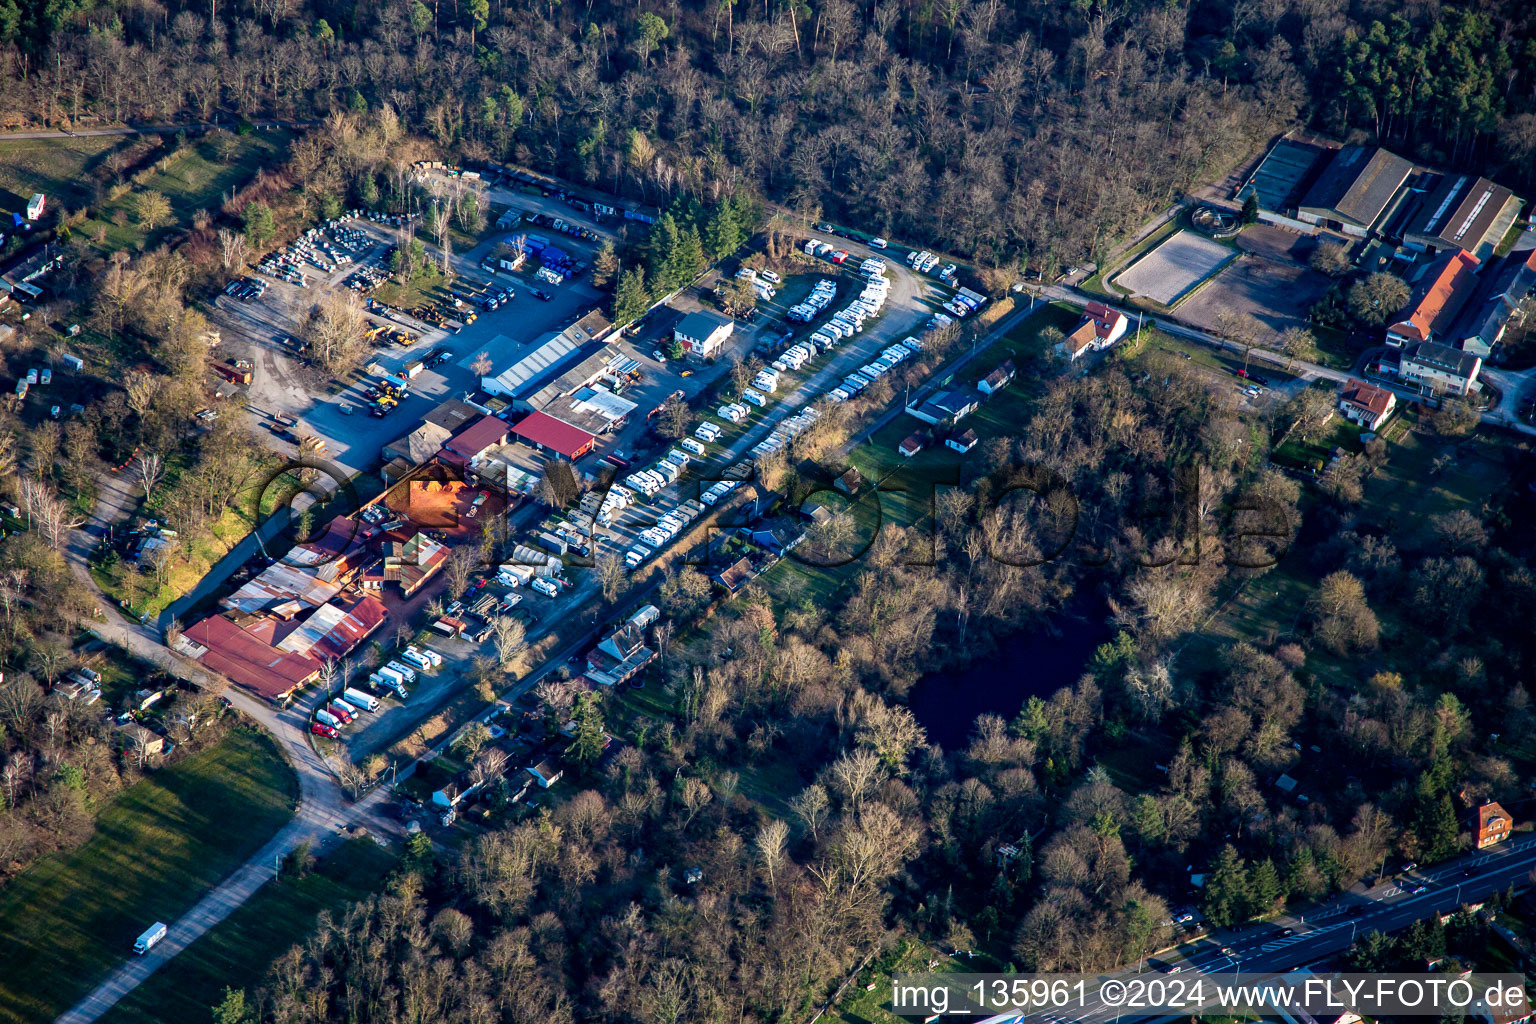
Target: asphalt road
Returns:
[148, 129]
[1512, 385]
[1266, 949]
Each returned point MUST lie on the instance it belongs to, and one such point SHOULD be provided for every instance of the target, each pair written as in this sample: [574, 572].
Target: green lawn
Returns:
[156, 852]
[192, 178]
[238, 952]
[58, 168]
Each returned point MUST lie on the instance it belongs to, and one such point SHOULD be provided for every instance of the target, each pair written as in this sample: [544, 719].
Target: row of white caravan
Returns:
[785, 432]
[874, 369]
[766, 381]
[707, 432]
[822, 294]
[665, 472]
[733, 412]
[926, 261]
[601, 508]
[421, 657]
[844, 324]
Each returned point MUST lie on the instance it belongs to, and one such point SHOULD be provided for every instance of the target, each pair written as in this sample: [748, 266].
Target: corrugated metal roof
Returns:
[281, 582]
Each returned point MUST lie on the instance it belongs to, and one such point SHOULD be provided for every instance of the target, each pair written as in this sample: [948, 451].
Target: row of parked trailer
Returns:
[874, 369]
[786, 432]
[822, 294]
[673, 521]
[925, 261]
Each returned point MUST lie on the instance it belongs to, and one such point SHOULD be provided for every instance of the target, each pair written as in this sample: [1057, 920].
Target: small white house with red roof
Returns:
[1366, 404]
[1100, 328]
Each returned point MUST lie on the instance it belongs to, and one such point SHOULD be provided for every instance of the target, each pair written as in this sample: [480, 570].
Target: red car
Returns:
[1241, 373]
[341, 711]
[321, 729]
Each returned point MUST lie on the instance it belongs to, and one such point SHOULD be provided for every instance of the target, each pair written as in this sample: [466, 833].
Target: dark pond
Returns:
[1028, 664]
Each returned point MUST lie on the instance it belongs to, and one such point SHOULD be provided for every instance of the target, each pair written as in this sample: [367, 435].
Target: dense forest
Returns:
[995, 130]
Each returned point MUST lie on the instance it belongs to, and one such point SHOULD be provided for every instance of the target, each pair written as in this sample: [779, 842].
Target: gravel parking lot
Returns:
[1173, 268]
[1277, 295]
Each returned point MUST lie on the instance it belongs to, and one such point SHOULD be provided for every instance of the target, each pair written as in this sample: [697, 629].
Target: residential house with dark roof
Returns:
[622, 653]
[546, 773]
[949, 406]
[1354, 191]
[1492, 824]
[736, 575]
[1459, 211]
[962, 442]
[703, 334]
[1366, 404]
[1439, 293]
[1503, 285]
[1434, 369]
[1100, 328]
[998, 379]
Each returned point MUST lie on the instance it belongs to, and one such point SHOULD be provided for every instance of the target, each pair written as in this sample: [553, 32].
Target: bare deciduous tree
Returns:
[231, 249]
[151, 469]
[770, 840]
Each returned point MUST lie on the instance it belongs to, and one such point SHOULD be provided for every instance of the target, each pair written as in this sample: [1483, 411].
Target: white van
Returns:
[545, 587]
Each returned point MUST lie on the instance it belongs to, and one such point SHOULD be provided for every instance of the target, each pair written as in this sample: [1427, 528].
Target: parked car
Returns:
[878, 243]
[321, 729]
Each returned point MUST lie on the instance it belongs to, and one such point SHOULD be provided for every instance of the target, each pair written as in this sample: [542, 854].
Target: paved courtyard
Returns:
[1173, 268]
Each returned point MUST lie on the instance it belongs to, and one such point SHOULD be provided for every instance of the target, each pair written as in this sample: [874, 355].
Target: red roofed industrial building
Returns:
[463, 447]
[551, 435]
[1437, 298]
[248, 662]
